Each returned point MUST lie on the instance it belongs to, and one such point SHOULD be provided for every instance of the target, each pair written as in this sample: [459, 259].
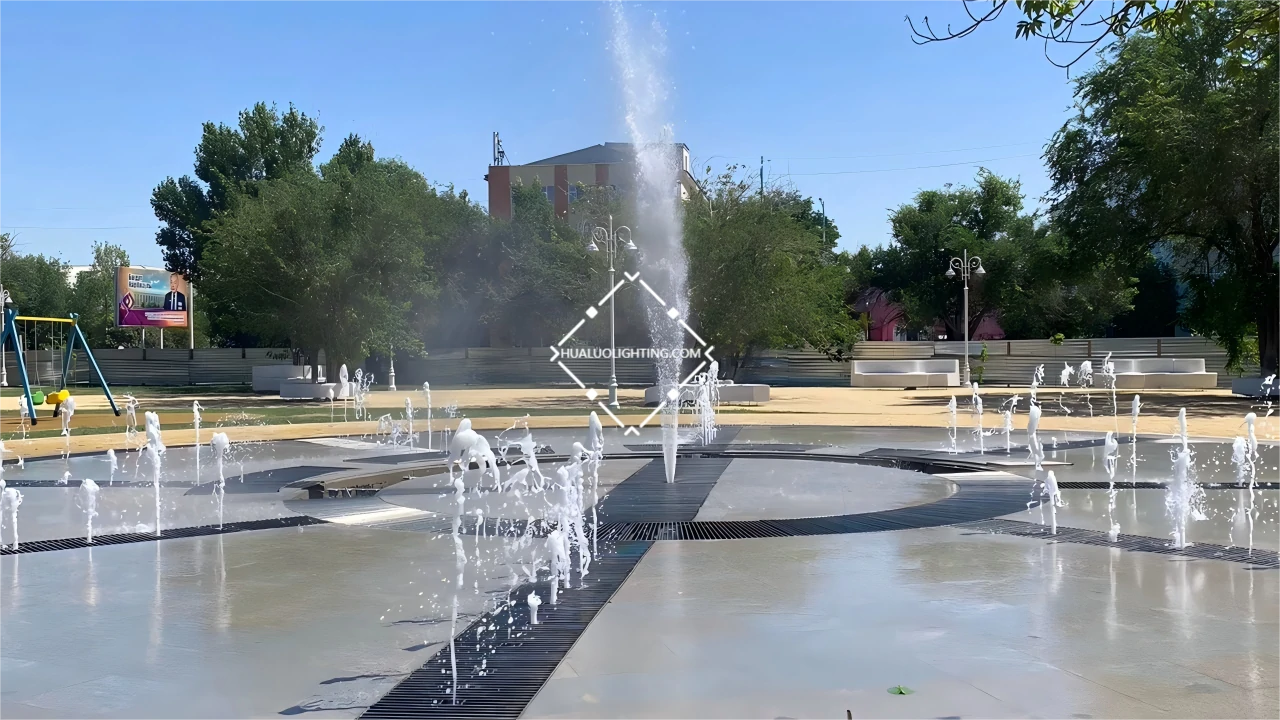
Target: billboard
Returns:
[151, 297]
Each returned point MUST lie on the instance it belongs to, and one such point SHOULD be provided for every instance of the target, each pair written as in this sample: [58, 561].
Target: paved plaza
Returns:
[859, 561]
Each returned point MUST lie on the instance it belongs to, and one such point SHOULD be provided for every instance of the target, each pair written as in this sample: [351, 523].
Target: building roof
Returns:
[608, 153]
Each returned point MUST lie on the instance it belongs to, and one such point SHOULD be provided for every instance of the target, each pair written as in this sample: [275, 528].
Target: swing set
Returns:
[69, 330]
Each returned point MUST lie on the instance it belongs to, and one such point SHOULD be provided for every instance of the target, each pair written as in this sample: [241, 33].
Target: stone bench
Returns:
[1161, 374]
[730, 394]
[267, 378]
[905, 373]
[306, 390]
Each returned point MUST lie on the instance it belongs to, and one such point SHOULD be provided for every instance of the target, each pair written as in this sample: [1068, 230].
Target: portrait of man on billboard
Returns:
[174, 300]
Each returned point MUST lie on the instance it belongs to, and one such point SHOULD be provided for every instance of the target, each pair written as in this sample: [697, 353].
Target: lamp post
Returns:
[966, 265]
[611, 237]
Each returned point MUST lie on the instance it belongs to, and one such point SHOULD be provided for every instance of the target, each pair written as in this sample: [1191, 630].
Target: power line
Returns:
[917, 167]
[906, 154]
[114, 227]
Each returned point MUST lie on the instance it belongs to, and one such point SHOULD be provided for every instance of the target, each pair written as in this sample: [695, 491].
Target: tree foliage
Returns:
[759, 273]
[1172, 149]
[37, 285]
[230, 163]
[1078, 27]
[1029, 284]
[93, 298]
[331, 260]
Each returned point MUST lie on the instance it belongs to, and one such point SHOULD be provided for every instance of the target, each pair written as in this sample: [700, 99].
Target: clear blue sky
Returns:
[99, 102]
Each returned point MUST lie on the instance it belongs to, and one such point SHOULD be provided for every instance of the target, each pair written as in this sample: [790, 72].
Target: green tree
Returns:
[331, 261]
[38, 287]
[229, 162]
[93, 298]
[759, 275]
[1076, 27]
[1028, 284]
[1171, 149]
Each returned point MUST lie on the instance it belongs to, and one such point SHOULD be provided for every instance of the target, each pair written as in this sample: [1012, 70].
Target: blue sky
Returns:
[99, 102]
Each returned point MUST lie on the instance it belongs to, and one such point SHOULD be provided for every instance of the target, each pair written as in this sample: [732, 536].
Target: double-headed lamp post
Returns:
[613, 239]
[966, 265]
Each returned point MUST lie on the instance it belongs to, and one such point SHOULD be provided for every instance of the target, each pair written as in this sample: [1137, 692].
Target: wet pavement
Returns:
[321, 621]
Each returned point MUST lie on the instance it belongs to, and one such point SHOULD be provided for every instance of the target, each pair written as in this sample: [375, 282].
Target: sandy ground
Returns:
[1210, 413]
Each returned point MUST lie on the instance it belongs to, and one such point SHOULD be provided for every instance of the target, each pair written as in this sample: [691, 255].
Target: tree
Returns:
[93, 298]
[230, 162]
[1028, 284]
[1070, 24]
[1171, 149]
[331, 261]
[759, 276]
[38, 287]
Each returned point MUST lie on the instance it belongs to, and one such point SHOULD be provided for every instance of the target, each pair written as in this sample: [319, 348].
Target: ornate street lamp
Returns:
[613, 240]
[966, 265]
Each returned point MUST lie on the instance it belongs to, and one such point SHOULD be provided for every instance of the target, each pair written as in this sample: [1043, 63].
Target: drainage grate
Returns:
[1140, 543]
[517, 658]
[971, 502]
[1153, 485]
[34, 546]
[647, 496]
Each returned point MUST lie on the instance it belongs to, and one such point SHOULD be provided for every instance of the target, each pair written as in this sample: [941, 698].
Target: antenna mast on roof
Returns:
[499, 155]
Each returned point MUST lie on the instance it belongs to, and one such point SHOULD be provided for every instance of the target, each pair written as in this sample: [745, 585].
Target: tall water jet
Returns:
[595, 441]
[195, 422]
[951, 422]
[977, 413]
[1183, 499]
[460, 561]
[1110, 458]
[1134, 408]
[1037, 379]
[1182, 427]
[1053, 499]
[10, 499]
[67, 409]
[221, 445]
[1084, 378]
[131, 415]
[707, 397]
[1033, 438]
[1011, 407]
[408, 416]
[1064, 379]
[155, 447]
[1109, 380]
[659, 163]
[1249, 420]
[426, 390]
[87, 499]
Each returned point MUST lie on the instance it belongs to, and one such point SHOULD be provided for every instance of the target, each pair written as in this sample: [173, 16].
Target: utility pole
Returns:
[761, 176]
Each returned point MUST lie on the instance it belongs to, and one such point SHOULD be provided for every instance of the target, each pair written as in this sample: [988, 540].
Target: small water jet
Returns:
[977, 413]
[533, 601]
[111, 459]
[195, 421]
[10, 499]
[1084, 378]
[155, 447]
[1111, 458]
[408, 416]
[87, 500]
[426, 390]
[221, 446]
[1184, 499]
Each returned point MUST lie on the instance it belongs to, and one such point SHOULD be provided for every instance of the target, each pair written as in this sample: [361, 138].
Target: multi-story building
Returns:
[560, 176]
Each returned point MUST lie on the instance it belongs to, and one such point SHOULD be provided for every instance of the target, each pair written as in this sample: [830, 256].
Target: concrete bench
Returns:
[1161, 374]
[730, 394]
[905, 373]
[300, 389]
[267, 378]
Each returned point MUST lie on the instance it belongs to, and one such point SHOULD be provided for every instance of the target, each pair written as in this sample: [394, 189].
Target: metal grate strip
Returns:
[500, 670]
[34, 546]
[1140, 543]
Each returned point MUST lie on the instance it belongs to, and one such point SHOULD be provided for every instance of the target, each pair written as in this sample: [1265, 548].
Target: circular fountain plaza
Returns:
[787, 572]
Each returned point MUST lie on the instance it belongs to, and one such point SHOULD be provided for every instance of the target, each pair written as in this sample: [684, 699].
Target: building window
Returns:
[550, 192]
[575, 191]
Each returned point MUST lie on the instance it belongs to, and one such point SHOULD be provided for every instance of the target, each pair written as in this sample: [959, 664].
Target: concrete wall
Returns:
[1008, 363]
[134, 366]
